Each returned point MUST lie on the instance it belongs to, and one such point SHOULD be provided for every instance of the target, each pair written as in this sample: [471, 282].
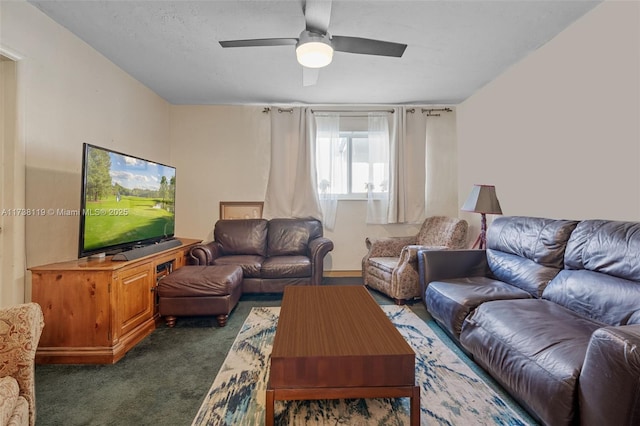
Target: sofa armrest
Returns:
[448, 264]
[20, 330]
[409, 254]
[406, 270]
[318, 249]
[609, 383]
[436, 265]
[204, 253]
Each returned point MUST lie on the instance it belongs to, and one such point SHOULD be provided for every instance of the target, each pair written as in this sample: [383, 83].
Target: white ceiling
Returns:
[454, 47]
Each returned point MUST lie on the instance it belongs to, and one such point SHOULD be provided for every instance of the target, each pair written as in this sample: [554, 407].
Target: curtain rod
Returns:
[431, 112]
[267, 109]
[328, 111]
[290, 110]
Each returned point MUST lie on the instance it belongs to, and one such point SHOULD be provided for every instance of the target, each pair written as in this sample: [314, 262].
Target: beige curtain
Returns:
[291, 190]
[422, 166]
[407, 166]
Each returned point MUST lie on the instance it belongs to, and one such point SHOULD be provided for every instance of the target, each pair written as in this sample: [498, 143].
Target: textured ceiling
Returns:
[454, 47]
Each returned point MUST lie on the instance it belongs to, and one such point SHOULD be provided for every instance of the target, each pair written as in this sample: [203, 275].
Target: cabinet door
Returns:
[76, 307]
[135, 296]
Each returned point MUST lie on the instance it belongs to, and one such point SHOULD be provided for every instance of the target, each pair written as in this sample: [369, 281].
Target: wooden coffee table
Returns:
[335, 342]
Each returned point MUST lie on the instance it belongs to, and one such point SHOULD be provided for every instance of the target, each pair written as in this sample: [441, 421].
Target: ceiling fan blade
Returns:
[310, 76]
[317, 14]
[259, 42]
[367, 46]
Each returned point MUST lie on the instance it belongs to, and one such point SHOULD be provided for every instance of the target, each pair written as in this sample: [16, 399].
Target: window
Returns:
[352, 163]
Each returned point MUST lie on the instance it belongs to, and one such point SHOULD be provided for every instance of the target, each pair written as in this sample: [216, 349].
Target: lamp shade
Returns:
[482, 199]
[314, 50]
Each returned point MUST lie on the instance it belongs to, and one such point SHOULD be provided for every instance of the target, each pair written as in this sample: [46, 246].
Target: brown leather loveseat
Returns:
[272, 253]
[551, 309]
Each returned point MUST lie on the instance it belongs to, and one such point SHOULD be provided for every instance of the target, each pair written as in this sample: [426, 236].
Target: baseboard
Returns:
[342, 274]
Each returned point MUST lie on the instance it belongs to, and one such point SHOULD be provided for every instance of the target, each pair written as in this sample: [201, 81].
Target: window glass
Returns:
[348, 168]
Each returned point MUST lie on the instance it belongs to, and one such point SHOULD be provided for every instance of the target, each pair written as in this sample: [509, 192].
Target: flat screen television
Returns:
[126, 202]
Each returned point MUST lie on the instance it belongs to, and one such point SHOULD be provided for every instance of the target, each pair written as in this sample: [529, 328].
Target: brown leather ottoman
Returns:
[200, 290]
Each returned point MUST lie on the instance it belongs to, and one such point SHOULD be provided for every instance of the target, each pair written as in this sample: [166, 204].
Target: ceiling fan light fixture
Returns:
[314, 50]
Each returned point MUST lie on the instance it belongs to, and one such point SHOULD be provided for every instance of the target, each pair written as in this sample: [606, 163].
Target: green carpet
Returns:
[163, 380]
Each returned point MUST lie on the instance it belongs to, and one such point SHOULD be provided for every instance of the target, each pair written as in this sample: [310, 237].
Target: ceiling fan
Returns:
[315, 46]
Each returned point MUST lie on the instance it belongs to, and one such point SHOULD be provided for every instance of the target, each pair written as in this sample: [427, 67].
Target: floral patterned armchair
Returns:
[20, 330]
[391, 265]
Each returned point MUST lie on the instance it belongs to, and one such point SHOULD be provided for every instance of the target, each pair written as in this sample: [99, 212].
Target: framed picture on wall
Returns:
[241, 209]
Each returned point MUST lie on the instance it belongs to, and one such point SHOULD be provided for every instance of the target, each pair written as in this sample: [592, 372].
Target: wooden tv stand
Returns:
[96, 310]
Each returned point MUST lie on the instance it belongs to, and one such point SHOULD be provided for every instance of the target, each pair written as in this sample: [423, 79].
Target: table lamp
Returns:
[482, 200]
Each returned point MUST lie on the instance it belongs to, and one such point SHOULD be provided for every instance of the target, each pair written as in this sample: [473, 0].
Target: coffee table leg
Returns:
[268, 415]
[415, 406]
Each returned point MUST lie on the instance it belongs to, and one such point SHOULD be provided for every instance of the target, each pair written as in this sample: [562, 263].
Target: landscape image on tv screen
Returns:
[126, 200]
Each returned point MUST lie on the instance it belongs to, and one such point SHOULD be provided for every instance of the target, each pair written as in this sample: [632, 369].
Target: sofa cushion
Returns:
[527, 252]
[291, 236]
[251, 265]
[9, 392]
[450, 301]
[286, 267]
[248, 236]
[608, 247]
[387, 264]
[538, 239]
[601, 297]
[520, 272]
[535, 349]
[602, 276]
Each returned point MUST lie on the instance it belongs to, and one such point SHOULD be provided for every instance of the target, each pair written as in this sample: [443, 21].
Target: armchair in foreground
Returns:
[20, 330]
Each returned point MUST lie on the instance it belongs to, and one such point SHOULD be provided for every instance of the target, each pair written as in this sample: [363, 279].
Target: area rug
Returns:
[451, 393]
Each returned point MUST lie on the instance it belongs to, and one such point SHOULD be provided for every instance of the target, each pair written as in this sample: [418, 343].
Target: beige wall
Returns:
[69, 94]
[559, 132]
[222, 154]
